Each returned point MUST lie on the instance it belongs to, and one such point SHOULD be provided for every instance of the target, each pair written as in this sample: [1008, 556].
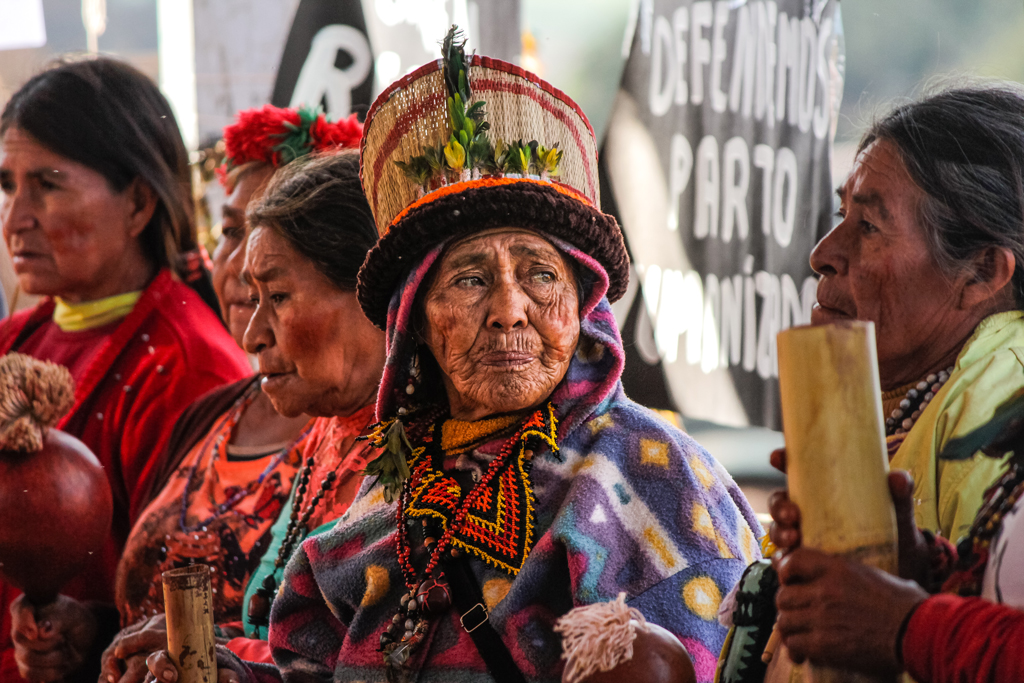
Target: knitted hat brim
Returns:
[530, 205]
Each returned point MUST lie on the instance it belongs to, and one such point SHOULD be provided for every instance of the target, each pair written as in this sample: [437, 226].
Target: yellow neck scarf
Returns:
[458, 436]
[71, 317]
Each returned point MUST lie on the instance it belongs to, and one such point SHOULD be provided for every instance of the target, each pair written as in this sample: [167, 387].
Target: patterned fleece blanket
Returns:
[629, 504]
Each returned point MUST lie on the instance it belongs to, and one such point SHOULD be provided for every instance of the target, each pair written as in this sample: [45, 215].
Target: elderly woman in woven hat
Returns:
[516, 479]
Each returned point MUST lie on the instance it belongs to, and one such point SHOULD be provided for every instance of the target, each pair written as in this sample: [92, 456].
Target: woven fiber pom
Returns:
[34, 395]
[598, 637]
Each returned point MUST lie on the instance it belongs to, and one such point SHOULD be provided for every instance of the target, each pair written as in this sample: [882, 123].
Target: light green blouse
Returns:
[988, 372]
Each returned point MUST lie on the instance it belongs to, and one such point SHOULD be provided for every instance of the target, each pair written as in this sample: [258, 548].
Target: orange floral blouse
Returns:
[216, 510]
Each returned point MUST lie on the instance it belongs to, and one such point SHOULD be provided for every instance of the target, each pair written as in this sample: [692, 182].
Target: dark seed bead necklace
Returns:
[263, 598]
[914, 402]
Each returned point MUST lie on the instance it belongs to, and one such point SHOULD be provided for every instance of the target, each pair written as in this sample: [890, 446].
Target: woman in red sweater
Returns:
[96, 213]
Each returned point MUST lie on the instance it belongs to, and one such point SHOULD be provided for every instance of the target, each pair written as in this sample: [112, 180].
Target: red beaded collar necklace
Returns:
[493, 521]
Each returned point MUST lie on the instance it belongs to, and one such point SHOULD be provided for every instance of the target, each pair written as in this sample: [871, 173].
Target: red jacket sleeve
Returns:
[964, 640]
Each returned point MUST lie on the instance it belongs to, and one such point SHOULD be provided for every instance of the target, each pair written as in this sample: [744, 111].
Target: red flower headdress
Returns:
[276, 136]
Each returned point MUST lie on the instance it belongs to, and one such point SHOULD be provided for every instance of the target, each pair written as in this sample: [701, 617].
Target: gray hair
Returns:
[965, 148]
[318, 205]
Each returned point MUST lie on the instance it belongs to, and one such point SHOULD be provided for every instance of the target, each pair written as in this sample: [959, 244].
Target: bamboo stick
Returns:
[188, 604]
[774, 640]
[835, 448]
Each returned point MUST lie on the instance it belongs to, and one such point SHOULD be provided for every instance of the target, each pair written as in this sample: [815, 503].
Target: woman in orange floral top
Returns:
[317, 356]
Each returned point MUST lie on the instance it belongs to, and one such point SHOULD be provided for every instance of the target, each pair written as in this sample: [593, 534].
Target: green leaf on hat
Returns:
[467, 147]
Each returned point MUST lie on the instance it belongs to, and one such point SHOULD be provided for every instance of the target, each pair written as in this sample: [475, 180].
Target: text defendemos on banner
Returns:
[768, 50]
[738, 100]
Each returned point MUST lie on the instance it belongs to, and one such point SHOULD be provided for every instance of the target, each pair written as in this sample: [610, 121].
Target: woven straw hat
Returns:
[420, 194]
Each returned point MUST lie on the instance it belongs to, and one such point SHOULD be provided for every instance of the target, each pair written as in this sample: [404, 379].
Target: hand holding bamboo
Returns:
[188, 603]
[837, 460]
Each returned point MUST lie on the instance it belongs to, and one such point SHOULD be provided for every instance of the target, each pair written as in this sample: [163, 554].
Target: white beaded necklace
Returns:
[914, 403]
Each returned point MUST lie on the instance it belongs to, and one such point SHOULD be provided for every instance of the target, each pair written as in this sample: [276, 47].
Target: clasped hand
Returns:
[51, 641]
[835, 612]
[138, 654]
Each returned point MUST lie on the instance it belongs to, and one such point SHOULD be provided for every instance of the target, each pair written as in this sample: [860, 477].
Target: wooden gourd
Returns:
[188, 604]
[658, 657]
[55, 500]
[836, 456]
[609, 642]
[56, 508]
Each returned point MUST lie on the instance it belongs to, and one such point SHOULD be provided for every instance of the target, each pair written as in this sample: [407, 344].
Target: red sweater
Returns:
[964, 640]
[170, 350]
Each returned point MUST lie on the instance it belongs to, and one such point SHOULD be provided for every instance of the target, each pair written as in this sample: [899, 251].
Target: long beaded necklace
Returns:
[974, 548]
[201, 542]
[428, 592]
[916, 400]
[260, 602]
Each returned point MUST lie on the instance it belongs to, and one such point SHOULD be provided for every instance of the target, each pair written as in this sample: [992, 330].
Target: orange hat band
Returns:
[455, 188]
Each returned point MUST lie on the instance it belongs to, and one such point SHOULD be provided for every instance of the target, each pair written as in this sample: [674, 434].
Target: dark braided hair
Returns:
[317, 204]
[965, 148]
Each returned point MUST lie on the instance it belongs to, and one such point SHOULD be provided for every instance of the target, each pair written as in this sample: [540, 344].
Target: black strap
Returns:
[468, 601]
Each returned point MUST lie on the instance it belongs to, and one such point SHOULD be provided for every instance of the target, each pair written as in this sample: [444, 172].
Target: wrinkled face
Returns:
[319, 355]
[876, 265]
[67, 231]
[229, 256]
[502, 321]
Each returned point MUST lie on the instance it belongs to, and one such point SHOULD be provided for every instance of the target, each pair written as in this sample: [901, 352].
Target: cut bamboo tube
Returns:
[188, 604]
[836, 457]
